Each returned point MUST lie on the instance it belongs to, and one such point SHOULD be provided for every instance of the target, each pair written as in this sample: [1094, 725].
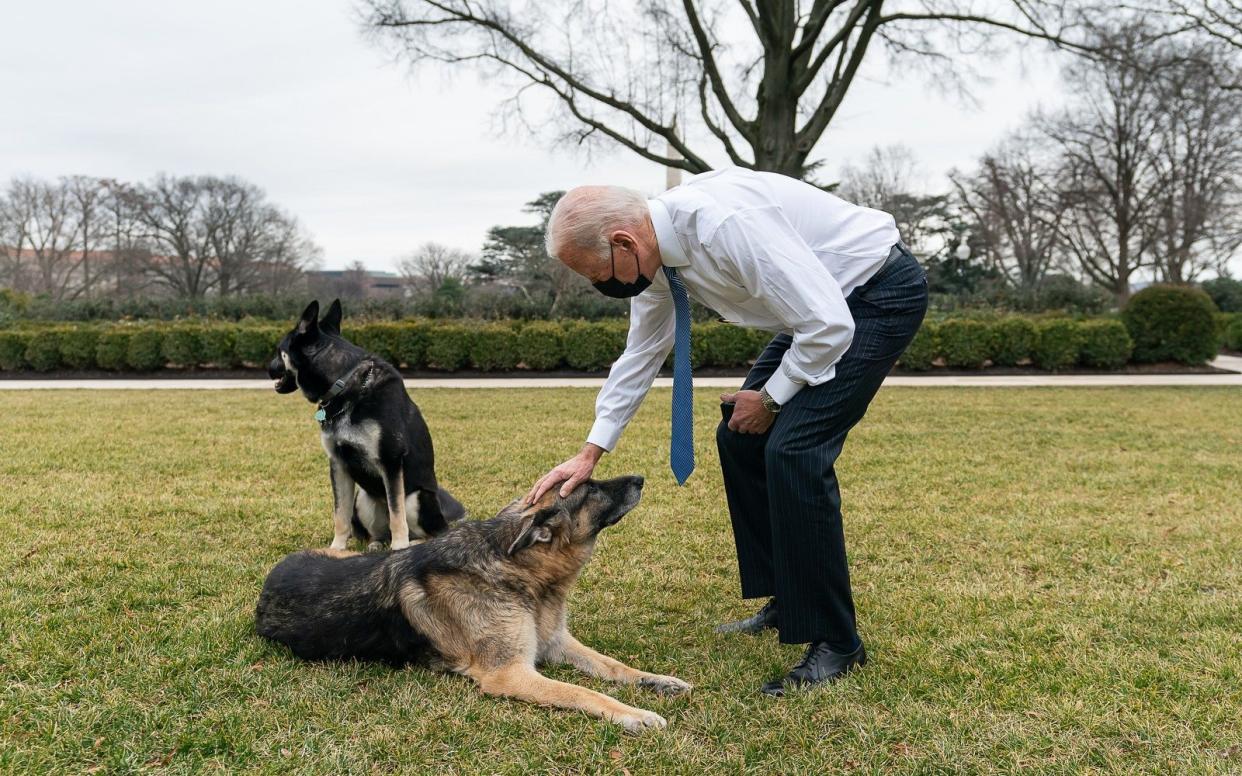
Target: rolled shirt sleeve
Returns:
[647, 345]
[775, 264]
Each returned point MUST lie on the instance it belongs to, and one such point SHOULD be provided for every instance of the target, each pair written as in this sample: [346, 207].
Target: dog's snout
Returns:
[276, 367]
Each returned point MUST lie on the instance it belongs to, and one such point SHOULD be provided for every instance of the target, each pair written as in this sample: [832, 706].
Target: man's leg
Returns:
[812, 580]
[745, 482]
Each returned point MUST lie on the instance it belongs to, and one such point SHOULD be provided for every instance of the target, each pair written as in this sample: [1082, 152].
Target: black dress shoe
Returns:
[818, 666]
[759, 621]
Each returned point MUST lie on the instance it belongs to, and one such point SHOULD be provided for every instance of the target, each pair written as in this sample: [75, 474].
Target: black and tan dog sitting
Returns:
[380, 455]
[486, 599]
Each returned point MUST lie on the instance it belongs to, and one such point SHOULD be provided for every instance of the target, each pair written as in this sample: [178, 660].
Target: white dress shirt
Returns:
[764, 251]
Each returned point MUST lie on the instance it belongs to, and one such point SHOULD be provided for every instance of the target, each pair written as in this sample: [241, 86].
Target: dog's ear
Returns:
[533, 530]
[309, 322]
[331, 321]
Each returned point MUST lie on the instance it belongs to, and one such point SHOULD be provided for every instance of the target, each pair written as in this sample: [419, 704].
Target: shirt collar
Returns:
[671, 252]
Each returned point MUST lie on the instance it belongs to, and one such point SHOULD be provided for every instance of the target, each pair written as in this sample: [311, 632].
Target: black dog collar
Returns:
[321, 414]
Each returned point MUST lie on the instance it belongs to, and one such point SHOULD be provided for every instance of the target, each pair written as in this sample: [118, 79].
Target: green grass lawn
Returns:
[1048, 581]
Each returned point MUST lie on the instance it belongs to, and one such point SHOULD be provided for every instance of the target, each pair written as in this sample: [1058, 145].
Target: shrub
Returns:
[921, 351]
[1012, 340]
[257, 344]
[410, 343]
[220, 346]
[541, 345]
[494, 347]
[759, 341]
[382, 339]
[1233, 333]
[78, 345]
[726, 345]
[1057, 344]
[593, 346]
[183, 344]
[1105, 344]
[146, 349]
[112, 349]
[965, 343]
[1226, 293]
[13, 349]
[1171, 323]
[448, 346]
[43, 349]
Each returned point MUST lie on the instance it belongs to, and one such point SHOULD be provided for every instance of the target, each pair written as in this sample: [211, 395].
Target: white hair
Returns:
[583, 218]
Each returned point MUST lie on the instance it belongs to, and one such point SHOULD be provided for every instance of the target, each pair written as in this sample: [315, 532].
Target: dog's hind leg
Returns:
[394, 488]
[521, 681]
[343, 505]
[593, 663]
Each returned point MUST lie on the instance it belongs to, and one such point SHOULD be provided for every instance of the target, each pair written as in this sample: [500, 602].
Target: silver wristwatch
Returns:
[769, 403]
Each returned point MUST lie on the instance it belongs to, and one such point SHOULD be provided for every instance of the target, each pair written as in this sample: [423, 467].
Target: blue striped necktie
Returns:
[681, 452]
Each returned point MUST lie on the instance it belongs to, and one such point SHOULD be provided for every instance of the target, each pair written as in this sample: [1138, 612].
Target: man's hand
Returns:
[749, 414]
[572, 473]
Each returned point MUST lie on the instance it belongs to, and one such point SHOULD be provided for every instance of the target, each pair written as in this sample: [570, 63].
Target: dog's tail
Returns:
[450, 507]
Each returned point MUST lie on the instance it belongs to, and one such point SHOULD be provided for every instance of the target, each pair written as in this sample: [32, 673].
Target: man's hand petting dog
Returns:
[749, 414]
[572, 473]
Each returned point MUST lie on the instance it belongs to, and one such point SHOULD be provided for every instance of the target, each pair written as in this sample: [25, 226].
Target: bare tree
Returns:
[1015, 211]
[206, 234]
[14, 223]
[1217, 21]
[432, 264]
[1198, 221]
[1109, 174]
[128, 253]
[253, 243]
[757, 80]
[88, 196]
[886, 173]
[172, 214]
[49, 223]
[888, 179]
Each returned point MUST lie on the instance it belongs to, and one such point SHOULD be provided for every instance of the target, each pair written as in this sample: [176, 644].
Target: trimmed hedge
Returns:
[1172, 323]
[448, 347]
[541, 345]
[920, 354]
[964, 343]
[113, 346]
[1013, 339]
[1233, 333]
[13, 349]
[594, 346]
[1057, 344]
[43, 349]
[1105, 344]
[183, 345]
[494, 348]
[78, 347]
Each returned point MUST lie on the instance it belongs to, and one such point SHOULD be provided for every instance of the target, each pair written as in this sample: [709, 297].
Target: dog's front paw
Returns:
[664, 685]
[339, 543]
[639, 720]
[399, 544]
[375, 547]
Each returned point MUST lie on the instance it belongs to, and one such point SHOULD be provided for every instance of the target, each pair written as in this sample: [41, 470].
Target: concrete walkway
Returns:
[1232, 363]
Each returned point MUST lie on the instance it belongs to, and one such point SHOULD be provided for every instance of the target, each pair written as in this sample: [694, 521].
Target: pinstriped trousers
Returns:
[784, 501]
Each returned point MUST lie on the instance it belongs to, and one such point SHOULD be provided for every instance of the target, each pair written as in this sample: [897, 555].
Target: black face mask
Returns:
[618, 289]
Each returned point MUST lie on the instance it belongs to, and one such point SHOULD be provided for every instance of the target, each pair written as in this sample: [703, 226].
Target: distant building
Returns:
[356, 283]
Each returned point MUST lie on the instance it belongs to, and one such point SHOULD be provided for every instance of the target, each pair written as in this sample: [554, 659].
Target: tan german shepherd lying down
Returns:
[485, 599]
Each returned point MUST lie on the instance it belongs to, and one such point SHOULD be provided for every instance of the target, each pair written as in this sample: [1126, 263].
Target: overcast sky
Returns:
[372, 160]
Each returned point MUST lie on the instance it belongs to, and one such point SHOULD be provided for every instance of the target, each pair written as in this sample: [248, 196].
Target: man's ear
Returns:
[331, 322]
[309, 322]
[533, 530]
